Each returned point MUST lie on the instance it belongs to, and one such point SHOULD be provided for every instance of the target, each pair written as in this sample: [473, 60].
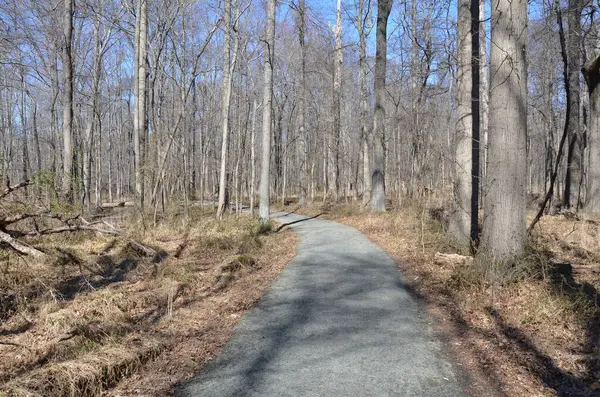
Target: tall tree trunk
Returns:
[24, 119]
[264, 189]
[460, 224]
[592, 79]
[364, 97]
[475, 110]
[484, 88]
[139, 119]
[303, 136]
[94, 115]
[378, 179]
[67, 129]
[225, 109]
[505, 202]
[415, 179]
[253, 159]
[337, 93]
[574, 153]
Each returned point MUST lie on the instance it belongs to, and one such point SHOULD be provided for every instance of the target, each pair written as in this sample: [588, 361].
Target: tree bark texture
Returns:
[378, 179]
[264, 187]
[505, 202]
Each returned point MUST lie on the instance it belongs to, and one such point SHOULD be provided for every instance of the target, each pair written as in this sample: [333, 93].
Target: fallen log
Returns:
[74, 228]
[116, 205]
[20, 247]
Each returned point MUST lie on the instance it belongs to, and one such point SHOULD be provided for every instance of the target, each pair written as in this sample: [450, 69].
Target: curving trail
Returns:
[337, 322]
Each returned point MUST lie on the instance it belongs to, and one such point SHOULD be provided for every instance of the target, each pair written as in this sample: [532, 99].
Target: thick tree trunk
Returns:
[592, 78]
[574, 153]
[67, 129]
[378, 179]
[505, 202]
[264, 206]
[460, 224]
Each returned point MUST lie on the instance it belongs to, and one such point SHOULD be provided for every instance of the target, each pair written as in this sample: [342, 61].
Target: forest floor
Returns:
[105, 315]
[531, 331]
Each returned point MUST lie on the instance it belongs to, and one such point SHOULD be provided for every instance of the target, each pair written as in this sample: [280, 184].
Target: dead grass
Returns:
[529, 329]
[103, 315]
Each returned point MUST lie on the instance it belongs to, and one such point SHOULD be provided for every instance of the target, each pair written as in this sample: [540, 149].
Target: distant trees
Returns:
[143, 103]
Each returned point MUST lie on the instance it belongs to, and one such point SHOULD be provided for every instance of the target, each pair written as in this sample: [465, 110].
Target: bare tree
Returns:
[378, 179]
[264, 188]
[228, 66]
[140, 118]
[460, 225]
[574, 153]
[361, 21]
[505, 202]
[303, 137]
[67, 58]
[337, 97]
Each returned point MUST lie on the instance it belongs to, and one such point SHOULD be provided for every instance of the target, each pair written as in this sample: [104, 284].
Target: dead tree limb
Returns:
[19, 247]
[10, 189]
[74, 228]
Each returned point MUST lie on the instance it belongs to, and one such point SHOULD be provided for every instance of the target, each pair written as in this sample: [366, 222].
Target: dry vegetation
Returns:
[529, 329]
[104, 316]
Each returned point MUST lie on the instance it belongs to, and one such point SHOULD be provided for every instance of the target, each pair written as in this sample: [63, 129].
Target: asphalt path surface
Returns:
[338, 321]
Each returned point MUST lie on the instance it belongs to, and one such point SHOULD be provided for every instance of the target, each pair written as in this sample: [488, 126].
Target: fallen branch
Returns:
[19, 247]
[10, 189]
[19, 217]
[115, 205]
[74, 228]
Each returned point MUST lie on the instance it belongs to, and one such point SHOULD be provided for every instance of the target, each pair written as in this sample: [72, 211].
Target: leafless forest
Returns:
[153, 102]
[134, 133]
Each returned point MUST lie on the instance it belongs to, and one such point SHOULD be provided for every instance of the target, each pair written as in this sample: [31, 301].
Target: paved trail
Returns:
[337, 322]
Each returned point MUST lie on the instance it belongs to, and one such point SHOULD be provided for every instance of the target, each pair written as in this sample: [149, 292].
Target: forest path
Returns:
[338, 321]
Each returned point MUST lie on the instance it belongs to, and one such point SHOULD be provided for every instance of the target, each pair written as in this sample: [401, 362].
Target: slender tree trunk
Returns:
[24, 125]
[337, 93]
[505, 202]
[364, 96]
[475, 110]
[378, 179]
[139, 120]
[303, 136]
[225, 109]
[67, 130]
[264, 208]
[93, 118]
[484, 88]
[36, 140]
[253, 159]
